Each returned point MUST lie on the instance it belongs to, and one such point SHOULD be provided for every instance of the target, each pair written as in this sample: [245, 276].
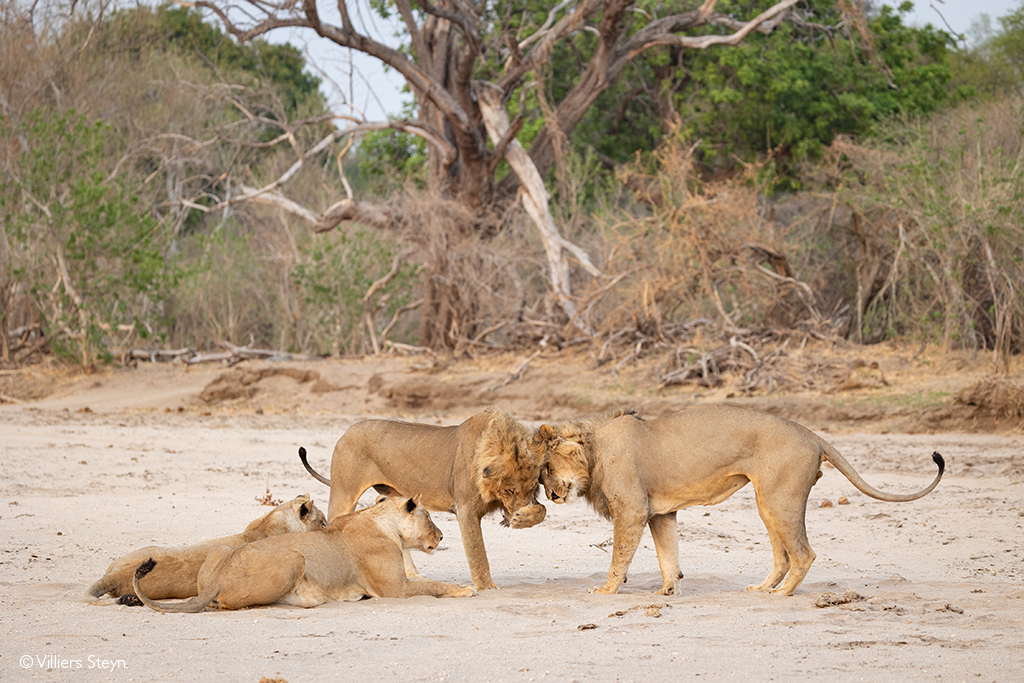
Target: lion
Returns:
[355, 556]
[479, 466]
[640, 472]
[179, 567]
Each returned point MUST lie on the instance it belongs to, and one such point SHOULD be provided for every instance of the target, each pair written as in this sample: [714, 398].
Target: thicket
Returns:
[909, 225]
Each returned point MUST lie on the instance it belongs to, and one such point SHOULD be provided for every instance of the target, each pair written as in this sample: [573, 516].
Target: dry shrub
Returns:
[708, 252]
[471, 286]
[705, 274]
[937, 214]
[1000, 396]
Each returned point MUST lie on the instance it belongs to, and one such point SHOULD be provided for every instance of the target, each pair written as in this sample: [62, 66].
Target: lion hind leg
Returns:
[260, 579]
[663, 530]
[791, 550]
[780, 557]
[801, 558]
[306, 593]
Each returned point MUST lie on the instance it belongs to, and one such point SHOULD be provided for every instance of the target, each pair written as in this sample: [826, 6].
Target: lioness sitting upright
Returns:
[639, 473]
[481, 465]
[179, 567]
[354, 556]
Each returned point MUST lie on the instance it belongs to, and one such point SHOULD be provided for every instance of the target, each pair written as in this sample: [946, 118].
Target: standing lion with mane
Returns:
[640, 472]
[480, 466]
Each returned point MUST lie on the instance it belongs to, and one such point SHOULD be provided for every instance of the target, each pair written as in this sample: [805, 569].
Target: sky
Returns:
[958, 13]
[377, 94]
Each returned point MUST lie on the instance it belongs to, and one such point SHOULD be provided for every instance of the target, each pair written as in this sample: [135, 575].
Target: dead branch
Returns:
[534, 197]
[369, 308]
[517, 373]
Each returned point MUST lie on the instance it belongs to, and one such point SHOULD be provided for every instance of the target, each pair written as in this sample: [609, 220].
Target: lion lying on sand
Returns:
[179, 567]
[354, 556]
[481, 465]
[639, 473]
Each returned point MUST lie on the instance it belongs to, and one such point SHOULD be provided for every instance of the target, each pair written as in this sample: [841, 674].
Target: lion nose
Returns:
[554, 496]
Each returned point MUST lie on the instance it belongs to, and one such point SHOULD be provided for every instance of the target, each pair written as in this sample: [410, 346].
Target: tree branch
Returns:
[502, 144]
[663, 31]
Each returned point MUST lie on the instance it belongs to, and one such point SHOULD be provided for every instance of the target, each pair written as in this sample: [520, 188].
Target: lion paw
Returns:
[528, 516]
[670, 589]
[604, 590]
[464, 592]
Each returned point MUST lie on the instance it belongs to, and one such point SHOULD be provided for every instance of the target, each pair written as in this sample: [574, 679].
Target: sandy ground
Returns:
[942, 578]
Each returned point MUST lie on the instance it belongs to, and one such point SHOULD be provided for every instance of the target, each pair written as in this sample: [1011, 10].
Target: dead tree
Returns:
[458, 114]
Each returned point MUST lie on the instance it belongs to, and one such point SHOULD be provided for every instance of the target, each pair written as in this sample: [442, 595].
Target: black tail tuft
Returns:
[130, 600]
[145, 568]
[939, 461]
[302, 453]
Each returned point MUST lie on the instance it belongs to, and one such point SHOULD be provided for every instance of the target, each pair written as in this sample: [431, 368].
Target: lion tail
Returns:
[194, 604]
[844, 466]
[316, 475]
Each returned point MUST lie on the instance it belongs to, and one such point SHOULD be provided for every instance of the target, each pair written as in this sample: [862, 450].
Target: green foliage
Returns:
[388, 159]
[67, 223]
[788, 93]
[335, 273]
[794, 90]
[173, 29]
[994, 65]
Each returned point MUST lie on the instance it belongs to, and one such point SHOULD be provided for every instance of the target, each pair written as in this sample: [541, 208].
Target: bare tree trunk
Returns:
[535, 197]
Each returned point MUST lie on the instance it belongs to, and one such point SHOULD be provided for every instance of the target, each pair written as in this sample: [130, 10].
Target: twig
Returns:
[517, 373]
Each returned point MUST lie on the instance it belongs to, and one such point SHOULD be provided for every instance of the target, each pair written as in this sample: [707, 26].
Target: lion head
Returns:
[507, 469]
[298, 514]
[415, 525]
[564, 453]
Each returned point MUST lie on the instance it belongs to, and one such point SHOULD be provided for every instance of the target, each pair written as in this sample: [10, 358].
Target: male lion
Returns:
[481, 465]
[179, 567]
[354, 556]
[639, 472]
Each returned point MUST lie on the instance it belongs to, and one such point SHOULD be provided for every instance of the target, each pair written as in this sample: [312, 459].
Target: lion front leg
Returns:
[628, 528]
[473, 544]
[410, 568]
[438, 589]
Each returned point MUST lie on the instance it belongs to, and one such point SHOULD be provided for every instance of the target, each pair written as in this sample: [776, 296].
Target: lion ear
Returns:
[411, 504]
[304, 510]
[546, 432]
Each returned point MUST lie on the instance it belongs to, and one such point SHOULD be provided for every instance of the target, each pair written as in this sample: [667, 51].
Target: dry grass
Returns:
[1000, 396]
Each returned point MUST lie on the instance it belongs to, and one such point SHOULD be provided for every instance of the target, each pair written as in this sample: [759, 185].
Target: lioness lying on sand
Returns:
[639, 472]
[481, 465]
[354, 556]
[179, 567]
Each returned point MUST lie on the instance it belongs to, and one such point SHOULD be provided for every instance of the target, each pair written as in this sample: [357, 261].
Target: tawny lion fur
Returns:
[179, 567]
[481, 465]
[639, 473]
[354, 556]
